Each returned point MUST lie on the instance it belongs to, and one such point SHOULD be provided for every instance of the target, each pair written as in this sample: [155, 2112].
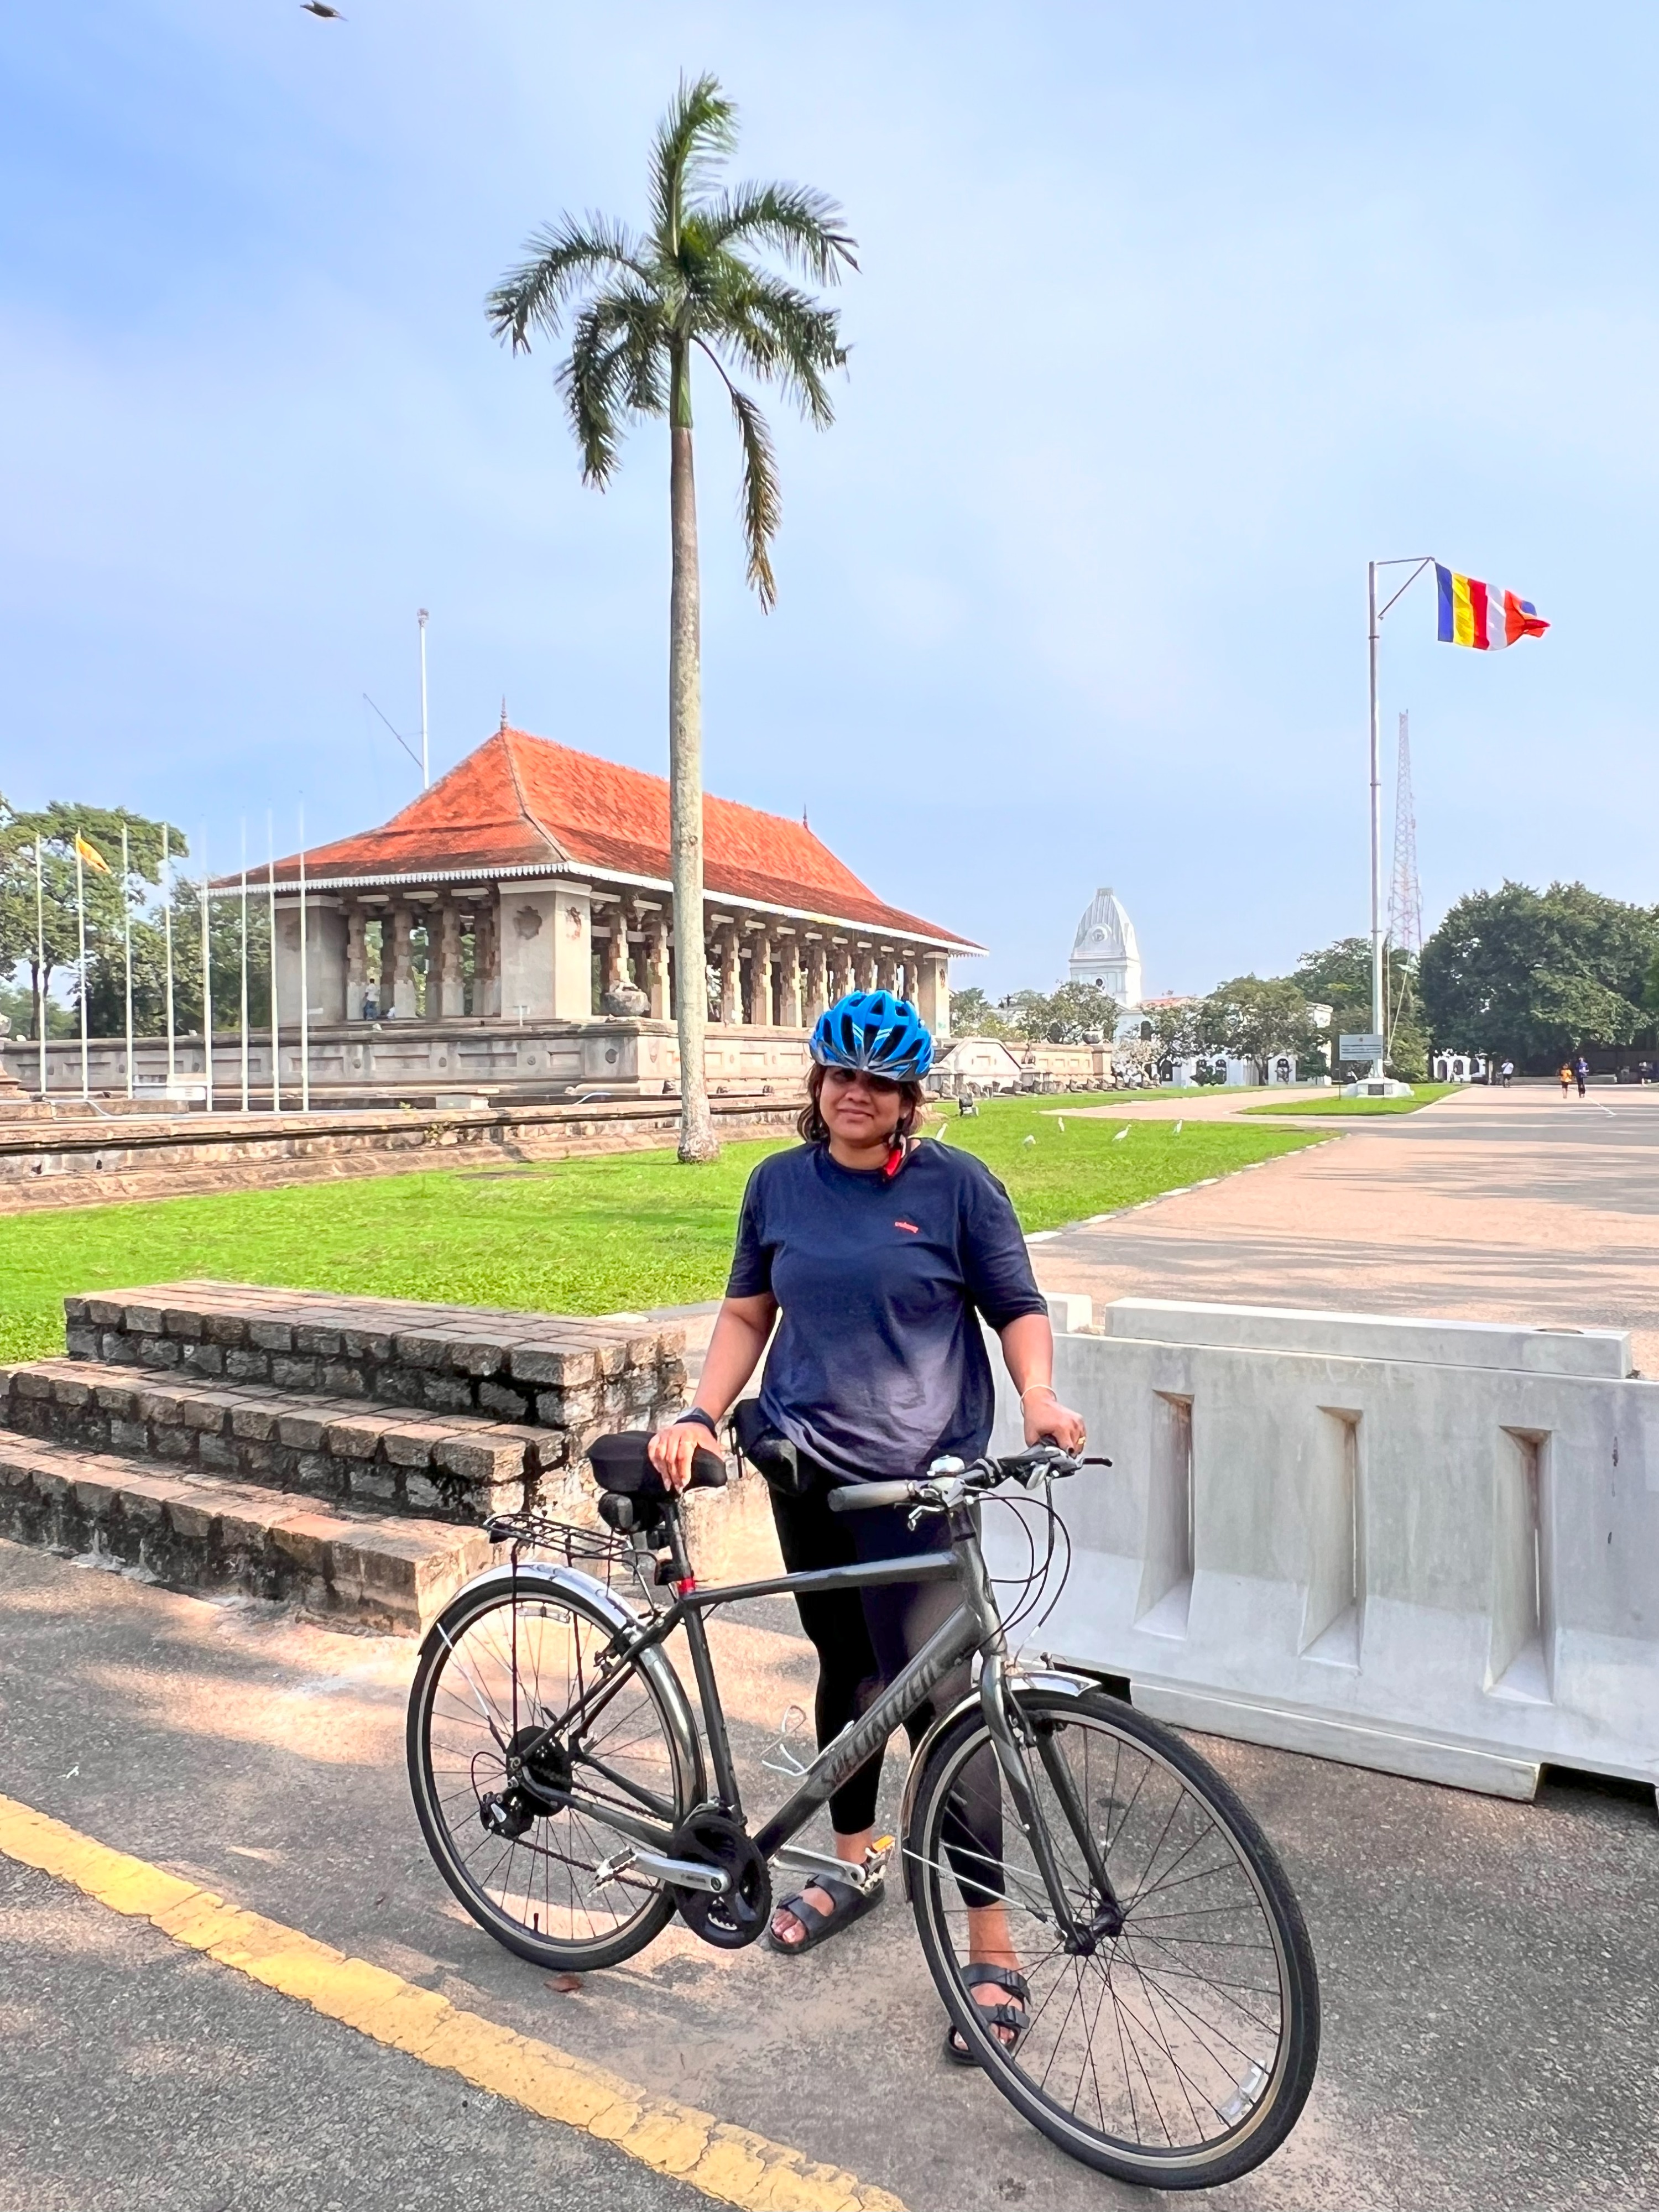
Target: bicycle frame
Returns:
[975, 1625]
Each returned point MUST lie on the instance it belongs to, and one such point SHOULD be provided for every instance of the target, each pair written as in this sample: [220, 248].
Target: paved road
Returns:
[138, 2075]
[1488, 1968]
[1490, 1206]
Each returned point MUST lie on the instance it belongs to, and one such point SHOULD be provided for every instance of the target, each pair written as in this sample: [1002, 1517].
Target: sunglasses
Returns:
[882, 1086]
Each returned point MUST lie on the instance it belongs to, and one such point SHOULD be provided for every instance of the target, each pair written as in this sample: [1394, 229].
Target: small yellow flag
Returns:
[90, 853]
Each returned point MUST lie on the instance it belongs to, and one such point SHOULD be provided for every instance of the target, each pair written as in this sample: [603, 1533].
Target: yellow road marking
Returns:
[729, 2164]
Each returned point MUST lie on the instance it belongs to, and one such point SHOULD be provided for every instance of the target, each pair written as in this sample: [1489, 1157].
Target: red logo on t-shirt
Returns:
[910, 1226]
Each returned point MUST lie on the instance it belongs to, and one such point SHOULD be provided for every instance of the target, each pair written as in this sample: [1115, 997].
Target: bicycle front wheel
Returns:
[1176, 2053]
[502, 1662]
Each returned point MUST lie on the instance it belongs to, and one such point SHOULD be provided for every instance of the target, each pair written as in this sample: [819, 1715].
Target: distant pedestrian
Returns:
[1506, 1071]
[1566, 1078]
[1581, 1072]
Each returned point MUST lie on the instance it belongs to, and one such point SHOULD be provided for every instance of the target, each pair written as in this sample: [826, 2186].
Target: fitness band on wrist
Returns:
[700, 1414]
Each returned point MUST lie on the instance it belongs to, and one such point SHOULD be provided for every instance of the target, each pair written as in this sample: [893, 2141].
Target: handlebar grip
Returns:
[867, 1496]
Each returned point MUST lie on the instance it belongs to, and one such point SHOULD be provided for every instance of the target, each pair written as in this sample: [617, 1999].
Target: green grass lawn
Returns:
[1425, 1094]
[571, 1236]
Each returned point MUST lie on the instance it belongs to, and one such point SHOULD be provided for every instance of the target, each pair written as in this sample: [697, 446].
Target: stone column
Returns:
[656, 966]
[731, 974]
[487, 958]
[864, 968]
[760, 980]
[886, 970]
[789, 983]
[356, 962]
[818, 981]
[402, 999]
[934, 992]
[614, 971]
[383, 975]
[451, 998]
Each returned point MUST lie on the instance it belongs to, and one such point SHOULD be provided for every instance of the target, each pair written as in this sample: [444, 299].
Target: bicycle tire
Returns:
[465, 1852]
[1141, 1964]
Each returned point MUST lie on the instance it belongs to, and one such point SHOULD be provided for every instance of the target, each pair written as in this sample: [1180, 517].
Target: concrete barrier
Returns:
[1427, 1547]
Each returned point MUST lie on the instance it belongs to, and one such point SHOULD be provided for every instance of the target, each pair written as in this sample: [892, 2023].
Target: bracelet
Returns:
[1048, 1386]
[699, 1413]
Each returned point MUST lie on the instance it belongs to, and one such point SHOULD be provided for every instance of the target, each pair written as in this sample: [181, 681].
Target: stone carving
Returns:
[527, 923]
[626, 999]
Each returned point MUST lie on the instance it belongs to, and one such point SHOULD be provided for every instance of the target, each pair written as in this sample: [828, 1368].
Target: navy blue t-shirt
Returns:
[879, 1365]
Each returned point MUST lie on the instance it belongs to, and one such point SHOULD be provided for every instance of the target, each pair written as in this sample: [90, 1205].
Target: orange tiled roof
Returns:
[523, 803]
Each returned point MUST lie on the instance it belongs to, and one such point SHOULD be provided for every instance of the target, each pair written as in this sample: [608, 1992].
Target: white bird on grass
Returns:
[1029, 1140]
[1121, 1134]
[1179, 1126]
[1060, 1121]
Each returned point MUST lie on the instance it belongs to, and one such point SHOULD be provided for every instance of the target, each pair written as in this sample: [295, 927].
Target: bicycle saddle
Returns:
[621, 1467]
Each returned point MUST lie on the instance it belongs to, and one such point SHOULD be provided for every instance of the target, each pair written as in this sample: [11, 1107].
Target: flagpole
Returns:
[80, 914]
[1374, 634]
[304, 986]
[206, 977]
[166, 927]
[426, 772]
[276, 1026]
[243, 992]
[40, 963]
[1374, 614]
[126, 940]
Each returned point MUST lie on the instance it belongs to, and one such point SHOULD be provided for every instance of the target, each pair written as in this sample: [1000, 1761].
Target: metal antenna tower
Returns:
[1405, 892]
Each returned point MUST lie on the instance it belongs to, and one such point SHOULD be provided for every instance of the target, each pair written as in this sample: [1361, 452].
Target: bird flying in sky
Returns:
[321, 7]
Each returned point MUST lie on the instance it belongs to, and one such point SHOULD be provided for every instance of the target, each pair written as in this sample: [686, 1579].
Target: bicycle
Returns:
[561, 1786]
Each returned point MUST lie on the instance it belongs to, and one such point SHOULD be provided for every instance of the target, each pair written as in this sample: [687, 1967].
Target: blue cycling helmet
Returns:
[874, 1031]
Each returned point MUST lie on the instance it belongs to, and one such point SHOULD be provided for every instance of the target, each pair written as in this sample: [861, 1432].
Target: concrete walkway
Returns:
[1487, 1968]
[1489, 1206]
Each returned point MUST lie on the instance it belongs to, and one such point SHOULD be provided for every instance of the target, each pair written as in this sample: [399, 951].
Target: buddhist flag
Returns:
[1477, 614]
[89, 854]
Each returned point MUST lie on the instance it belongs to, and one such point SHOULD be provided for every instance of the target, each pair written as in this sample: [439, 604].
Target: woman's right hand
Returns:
[673, 1449]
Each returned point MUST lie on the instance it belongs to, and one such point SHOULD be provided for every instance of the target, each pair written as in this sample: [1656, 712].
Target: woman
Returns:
[1566, 1078]
[880, 1251]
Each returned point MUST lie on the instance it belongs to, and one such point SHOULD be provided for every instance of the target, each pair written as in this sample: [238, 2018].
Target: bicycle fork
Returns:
[1079, 1938]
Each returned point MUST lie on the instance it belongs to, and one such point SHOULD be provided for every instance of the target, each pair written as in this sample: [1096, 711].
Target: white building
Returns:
[1105, 950]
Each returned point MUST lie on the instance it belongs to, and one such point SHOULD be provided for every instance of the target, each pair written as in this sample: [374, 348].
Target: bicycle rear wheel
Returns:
[1178, 2053]
[502, 1661]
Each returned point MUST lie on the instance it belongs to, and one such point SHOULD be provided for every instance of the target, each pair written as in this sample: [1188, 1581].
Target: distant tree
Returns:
[56, 825]
[107, 972]
[1537, 973]
[1063, 1016]
[972, 1014]
[1250, 1019]
[645, 306]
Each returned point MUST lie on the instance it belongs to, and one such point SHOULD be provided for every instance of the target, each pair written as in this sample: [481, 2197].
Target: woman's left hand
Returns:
[1047, 1421]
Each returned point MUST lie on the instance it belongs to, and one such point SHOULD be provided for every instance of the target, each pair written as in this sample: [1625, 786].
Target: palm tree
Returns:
[641, 306]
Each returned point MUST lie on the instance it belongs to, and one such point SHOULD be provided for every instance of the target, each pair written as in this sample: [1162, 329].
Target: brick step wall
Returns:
[194, 1532]
[546, 1370]
[450, 1467]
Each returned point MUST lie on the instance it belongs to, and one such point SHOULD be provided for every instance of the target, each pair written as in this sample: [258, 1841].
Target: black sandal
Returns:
[849, 1902]
[1013, 2016]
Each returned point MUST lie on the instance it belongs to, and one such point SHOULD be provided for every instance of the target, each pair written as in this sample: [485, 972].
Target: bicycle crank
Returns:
[740, 1911]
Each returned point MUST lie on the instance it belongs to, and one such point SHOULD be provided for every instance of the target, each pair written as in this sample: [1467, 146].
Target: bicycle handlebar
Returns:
[868, 1497]
[949, 1481]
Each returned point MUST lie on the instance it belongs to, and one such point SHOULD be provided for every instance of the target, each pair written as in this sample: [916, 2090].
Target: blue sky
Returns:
[1168, 319]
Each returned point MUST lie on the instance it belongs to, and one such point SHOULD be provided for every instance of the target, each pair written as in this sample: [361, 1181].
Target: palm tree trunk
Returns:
[698, 1141]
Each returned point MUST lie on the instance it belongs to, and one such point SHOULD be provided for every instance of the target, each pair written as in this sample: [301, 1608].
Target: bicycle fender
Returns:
[570, 1582]
[1058, 1685]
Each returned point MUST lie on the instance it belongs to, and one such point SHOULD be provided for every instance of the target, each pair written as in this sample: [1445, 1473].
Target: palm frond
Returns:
[776, 333]
[698, 132]
[806, 227]
[614, 368]
[563, 256]
[760, 502]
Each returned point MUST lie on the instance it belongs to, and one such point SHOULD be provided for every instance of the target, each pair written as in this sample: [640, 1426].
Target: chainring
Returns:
[737, 1919]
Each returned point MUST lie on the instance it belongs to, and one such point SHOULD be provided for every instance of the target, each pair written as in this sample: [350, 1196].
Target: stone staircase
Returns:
[338, 1452]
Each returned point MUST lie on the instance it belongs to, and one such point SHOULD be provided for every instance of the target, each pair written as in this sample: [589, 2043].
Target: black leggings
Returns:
[863, 1638]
